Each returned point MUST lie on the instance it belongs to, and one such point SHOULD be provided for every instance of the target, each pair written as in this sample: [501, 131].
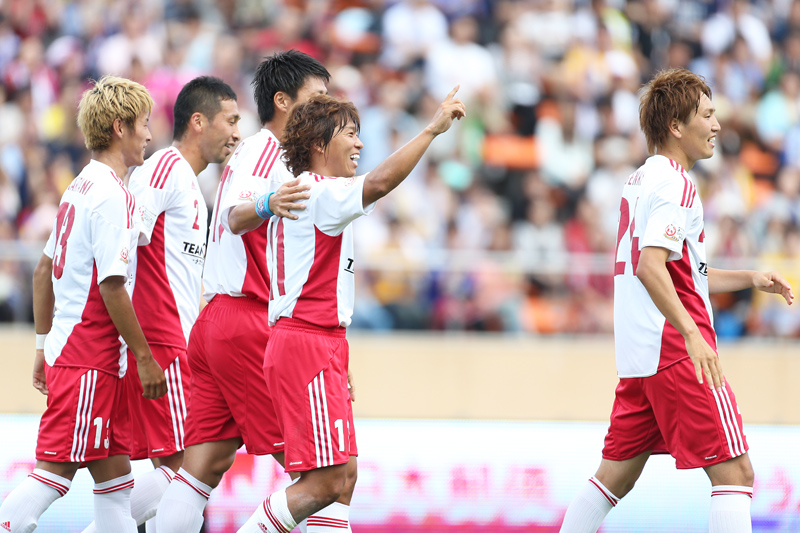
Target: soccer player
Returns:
[230, 404]
[311, 265]
[169, 270]
[672, 396]
[81, 355]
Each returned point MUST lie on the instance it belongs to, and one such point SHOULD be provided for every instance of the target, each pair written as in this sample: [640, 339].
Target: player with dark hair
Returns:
[311, 266]
[230, 402]
[169, 270]
[85, 321]
[672, 396]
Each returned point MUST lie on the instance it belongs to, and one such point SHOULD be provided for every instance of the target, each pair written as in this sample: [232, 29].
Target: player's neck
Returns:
[276, 125]
[112, 158]
[676, 154]
[191, 153]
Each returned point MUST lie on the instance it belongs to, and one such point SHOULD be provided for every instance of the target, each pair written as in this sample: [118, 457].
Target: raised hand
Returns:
[450, 109]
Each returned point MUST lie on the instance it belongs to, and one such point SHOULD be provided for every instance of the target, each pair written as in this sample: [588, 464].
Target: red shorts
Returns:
[229, 396]
[671, 412]
[86, 417]
[306, 370]
[158, 425]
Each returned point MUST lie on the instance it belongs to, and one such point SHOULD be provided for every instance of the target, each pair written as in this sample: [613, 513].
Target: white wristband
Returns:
[40, 341]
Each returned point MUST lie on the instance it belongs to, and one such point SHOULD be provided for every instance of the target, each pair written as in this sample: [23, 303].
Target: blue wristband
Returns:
[262, 206]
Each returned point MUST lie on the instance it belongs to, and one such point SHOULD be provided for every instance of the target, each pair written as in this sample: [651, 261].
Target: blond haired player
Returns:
[672, 396]
[82, 275]
[169, 270]
[311, 265]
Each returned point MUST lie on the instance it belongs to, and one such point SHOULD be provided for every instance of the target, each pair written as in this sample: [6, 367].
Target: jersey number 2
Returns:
[64, 220]
[197, 217]
[626, 225]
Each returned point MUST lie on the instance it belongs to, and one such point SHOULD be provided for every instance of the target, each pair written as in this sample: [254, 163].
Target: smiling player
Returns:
[166, 293]
[82, 276]
[311, 266]
[672, 396]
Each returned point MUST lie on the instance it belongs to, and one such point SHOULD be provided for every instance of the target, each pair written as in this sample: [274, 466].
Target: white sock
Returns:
[730, 509]
[272, 516]
[112, 505]
[181, 508]
[145, 496]
[147, 492]
[24, 505]
[589, 508]
[333, 518]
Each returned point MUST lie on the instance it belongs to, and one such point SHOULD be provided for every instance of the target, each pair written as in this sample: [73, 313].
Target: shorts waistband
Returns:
[239, 301]
[296, 323]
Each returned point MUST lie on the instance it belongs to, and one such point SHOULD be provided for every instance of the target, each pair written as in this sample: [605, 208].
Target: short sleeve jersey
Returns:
[173, 216]
[311, 260]
[659, 207]
[94, 237]
[236, 264]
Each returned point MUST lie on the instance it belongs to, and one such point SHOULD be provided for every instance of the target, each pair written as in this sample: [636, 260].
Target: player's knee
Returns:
[352, 477]
[219, 467]
[330, 488]
[623, 488]
[747, 475]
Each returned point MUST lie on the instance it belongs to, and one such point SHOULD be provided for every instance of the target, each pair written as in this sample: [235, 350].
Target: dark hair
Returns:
[285, 72]
[314, 123]
[201, 95]
[671, 94]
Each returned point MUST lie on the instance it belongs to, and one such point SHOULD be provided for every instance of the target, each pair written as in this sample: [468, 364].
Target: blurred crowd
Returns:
[510, 222]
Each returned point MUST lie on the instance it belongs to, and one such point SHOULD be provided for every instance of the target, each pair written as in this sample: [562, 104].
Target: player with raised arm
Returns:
[169, 270]
[672, 396]
[230, 404]
[311, 265]
[81, 350]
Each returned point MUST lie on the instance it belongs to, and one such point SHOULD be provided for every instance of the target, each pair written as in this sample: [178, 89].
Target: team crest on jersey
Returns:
[349, 182]
[245, 195]
[672, 233]
[123, 255]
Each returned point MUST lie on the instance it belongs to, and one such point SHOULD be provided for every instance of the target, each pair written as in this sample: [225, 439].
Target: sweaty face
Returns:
[700, 133]
[222, 133]
[341, 155]
[134, 141]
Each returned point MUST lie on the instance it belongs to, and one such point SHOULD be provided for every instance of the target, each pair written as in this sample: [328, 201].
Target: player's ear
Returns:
[676, 128]
[117, 127]
[282, 101]
[196, 121]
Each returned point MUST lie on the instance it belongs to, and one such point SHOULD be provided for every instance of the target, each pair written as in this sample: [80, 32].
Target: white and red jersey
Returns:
[236, 264]
[660, 207]
[173, 217]
[94, 237]
[311, 259]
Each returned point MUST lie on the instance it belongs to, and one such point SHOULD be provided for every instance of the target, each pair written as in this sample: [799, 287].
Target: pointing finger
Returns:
[453, 92]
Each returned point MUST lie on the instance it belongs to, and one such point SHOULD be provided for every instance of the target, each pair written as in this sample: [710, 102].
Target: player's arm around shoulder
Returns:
[736, 280]
[289, 196]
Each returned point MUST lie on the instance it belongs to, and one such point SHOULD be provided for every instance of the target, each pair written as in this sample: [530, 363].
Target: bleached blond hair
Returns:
[111, 98]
